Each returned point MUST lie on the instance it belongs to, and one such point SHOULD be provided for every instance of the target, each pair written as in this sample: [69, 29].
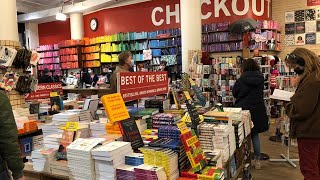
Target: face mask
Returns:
[298, 70]
[131, 63]
[89, 71]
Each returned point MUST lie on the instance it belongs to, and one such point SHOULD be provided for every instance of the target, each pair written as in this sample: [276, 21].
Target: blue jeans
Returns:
[256, 145]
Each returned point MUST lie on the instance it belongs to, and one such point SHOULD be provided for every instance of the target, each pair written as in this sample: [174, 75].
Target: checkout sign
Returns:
[137, 85]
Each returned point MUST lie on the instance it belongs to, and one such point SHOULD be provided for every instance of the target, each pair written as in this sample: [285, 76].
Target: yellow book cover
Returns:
[115, 107]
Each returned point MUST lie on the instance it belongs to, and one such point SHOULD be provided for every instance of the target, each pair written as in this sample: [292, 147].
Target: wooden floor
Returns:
[276, 170]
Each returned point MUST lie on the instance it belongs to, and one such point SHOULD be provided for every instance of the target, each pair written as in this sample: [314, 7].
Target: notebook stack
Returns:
[163, 119]
[80, 162]
[52, 141]
[108, 157]
[148, 172]
[126, 172]
[98, 129]
[161, 157]
[176, 146]
[59, 168]
[83, 115]
[41, 159]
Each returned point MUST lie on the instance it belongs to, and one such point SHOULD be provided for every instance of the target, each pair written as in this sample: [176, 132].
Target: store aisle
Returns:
[276, 170]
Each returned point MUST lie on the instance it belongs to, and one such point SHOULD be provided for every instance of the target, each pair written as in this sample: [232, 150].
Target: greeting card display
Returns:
[289, 40]
[300, 39]
[300, 28]
[290, 28]
[299, 15]
[289, 17]
[311, 26]
[310, 15]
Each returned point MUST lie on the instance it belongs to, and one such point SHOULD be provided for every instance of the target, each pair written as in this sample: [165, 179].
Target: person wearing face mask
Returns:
[90, 78]
[304, 110]
[163, 66]
[125, 65]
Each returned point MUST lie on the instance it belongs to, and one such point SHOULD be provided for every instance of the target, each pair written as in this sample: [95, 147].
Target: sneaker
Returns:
[257, 164]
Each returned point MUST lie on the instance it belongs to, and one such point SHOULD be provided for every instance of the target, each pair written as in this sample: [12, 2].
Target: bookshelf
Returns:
[49, 58]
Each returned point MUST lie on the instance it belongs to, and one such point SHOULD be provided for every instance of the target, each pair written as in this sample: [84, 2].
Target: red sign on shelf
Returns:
[43, 91]
[313, 2]
[164, 35]
[137, 85]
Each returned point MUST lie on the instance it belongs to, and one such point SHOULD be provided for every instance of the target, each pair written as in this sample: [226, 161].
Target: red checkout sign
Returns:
[43, 91]
[137, 85]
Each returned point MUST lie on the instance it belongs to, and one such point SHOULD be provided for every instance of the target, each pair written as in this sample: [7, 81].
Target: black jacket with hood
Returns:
[248, 91]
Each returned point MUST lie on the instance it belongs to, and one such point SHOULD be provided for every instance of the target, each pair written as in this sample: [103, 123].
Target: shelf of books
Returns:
[49, 58]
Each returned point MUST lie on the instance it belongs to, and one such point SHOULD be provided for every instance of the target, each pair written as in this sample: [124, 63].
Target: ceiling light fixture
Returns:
[60, 16]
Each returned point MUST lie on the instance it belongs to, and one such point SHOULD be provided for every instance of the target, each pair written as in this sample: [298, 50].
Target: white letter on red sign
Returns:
[123, 80]
[244, 11]
[254, 8]
[209, 14]
[153, 16]
[175, 13]
[220, 6]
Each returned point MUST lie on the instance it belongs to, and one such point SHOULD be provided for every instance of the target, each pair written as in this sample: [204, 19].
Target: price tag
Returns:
[72, 126]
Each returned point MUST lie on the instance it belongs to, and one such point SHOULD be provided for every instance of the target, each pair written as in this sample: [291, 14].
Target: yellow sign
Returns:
[182, 127]
[72, 126]
[54, 94]
[187, 94]
[115, 107]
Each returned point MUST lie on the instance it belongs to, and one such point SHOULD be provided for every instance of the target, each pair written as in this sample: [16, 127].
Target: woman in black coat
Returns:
[248, 91]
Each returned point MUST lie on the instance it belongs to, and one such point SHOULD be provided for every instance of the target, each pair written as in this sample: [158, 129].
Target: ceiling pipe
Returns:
[31, 2]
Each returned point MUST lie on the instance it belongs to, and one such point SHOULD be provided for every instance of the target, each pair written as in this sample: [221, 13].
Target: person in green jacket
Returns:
[10, 153]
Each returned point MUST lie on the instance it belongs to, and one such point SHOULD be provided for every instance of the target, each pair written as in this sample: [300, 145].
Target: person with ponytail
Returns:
[304, 110]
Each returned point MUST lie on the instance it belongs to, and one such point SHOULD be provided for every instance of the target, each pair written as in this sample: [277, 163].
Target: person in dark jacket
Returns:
[89, 78]
[304, 110]
[45, 77]
[248, 91]
[10, 153]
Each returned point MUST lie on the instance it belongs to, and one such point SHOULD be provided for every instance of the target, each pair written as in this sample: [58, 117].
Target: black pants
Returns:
[5, 175]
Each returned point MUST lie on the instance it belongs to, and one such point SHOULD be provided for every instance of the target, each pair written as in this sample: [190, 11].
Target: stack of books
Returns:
[59, 168]
[144, 172]
[126, 172]
[209, 172]
[239, 132]
[162, 157]
[63, 118]
[176, 146]
[98, 129]
[163, 119]
[41, 159]
[110, 156]
[246, 118]
[83, 115]
[134, 159]
[51, 128]
[80, 162]
[52, 141]
[169, 132]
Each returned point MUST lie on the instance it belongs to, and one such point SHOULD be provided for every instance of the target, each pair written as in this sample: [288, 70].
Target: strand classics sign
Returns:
[43, 91]
[136, 85]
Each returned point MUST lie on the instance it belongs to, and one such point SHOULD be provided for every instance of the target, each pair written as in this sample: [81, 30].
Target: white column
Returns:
[76, 24]
[8, 21]
[190, 29]
[32, 35]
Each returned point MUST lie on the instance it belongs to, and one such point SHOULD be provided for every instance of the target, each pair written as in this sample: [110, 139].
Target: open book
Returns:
[281, 95]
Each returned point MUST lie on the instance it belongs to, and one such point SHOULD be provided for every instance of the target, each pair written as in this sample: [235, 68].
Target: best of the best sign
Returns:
[136, 85]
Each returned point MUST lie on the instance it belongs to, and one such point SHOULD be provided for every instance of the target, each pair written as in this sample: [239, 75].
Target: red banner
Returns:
[313, 2]
[137, 85]
[43, 91]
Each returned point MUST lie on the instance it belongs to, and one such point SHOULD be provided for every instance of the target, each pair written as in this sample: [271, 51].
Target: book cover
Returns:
[311, 38]
[300, 28]
[115, 107]
[130, 132]
[300, 39]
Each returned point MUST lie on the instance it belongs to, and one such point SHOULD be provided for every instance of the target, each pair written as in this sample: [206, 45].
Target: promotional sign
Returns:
[43, 91]
[313, 2]
[137, 85]
[115, 107]
[72, 126]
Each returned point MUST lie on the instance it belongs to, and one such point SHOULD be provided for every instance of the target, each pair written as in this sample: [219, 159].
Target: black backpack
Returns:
[24, 84]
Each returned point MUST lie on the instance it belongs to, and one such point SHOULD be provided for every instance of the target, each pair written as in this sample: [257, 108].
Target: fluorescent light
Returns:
[61, 17]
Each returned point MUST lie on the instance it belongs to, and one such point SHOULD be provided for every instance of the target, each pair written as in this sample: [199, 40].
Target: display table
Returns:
[31, 174]
[87, 91]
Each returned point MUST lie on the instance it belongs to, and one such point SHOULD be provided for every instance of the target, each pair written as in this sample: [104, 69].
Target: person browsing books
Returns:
[125, 65]
[304, 110]
[10, 153]
[248, 91]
